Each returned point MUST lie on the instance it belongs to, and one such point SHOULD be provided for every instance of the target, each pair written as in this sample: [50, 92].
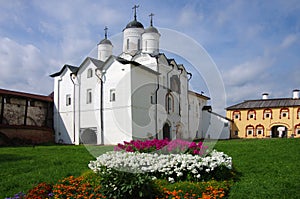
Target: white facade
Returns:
[137, 95]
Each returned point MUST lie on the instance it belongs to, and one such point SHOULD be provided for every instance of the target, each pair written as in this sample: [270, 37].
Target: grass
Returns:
[21, 168]
[268, 168]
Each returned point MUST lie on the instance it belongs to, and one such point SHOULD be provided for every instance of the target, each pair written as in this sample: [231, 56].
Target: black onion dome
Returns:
[151, 29]
[105, 41]
[134, 24]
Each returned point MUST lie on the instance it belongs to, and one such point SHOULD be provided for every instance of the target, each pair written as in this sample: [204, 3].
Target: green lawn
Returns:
[23, 167]
[268, 168]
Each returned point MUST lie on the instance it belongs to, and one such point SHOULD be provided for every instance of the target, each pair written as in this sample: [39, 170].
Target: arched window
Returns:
[249, 130]
[236, 115]
[297, 129]
[260, 130]
[267, 114]
[298, 113]
[89, 96]
[90, 73]
[127, 44]
[251, 115]
[139, 44]
[169, 103]
[284, 113]
[112, 97]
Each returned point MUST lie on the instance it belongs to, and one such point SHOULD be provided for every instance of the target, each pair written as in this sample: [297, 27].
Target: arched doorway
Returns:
[167, 131]
[279, 131]
[88, 136]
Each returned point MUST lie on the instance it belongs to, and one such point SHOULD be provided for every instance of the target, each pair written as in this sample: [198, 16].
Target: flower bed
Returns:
[173, 167]
[147, 169]
[163, 146]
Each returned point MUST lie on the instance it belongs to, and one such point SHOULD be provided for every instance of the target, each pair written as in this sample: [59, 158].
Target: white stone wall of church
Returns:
[143, 86]
[135, 37]
[104, 51]
[184, 105]
[150, 42]
[89, 110]
[63, 114]
[117, 114]
[194, 116]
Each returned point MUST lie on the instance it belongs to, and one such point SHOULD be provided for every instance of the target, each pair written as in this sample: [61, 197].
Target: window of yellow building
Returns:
[236, 115]
[249, 130]
[251, 114]
[298, 113]
[260, 130]
[284, 113]
[267, 114]
[297, 129]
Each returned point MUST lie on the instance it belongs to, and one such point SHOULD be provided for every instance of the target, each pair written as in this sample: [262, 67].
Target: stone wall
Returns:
[26, 116]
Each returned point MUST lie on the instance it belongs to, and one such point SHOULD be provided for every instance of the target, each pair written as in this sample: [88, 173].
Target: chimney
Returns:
[265, 96]
[296, 94]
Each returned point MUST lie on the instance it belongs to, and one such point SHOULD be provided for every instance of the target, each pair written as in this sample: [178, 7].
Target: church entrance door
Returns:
[167, 131]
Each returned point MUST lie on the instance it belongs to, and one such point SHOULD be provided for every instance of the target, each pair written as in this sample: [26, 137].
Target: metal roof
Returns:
[266, 103]
[72, 68]
[4, 92]
[134, 24]
[105, 41]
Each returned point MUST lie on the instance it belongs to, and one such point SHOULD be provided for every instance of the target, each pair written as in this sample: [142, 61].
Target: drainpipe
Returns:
[156, 91]
[181, 71]
[101, 105]
[190, 77]
[74, 130]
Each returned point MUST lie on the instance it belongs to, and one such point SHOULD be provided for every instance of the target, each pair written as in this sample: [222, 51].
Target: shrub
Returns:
[120, 184]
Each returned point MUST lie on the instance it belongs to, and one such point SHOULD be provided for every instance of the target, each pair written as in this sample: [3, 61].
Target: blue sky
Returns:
[255, 44]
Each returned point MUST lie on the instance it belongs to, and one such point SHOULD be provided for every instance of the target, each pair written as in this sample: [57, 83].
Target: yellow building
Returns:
[265, 118]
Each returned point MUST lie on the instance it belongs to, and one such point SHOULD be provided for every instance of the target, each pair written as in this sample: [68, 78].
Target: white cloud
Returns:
[289, 40]
[248, 71]
[23, 67]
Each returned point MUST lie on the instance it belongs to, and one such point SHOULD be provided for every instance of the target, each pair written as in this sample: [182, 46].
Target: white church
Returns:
[138, 94]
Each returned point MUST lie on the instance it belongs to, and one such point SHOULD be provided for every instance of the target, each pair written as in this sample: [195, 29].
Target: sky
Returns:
[255, 45]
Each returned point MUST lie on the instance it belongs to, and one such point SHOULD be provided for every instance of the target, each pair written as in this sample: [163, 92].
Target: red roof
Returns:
[26, 95]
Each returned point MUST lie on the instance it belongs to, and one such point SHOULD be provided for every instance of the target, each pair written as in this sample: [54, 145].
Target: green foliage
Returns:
[120, 184]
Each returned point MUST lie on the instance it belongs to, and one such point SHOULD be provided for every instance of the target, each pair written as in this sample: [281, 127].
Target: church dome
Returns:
[105, 41]
[134, 24]
[151, 29]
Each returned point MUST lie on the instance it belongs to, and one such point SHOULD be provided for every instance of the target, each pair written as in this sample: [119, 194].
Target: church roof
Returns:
[266, 103]
[198, 95]
[134, 63]
[105, 41]
[75, 69]
[96, 62]
[72, 68]
[134, 24]
[151, 29]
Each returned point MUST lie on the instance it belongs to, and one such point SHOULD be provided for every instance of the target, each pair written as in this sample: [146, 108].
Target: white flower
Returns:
[166, 165]
[171, 180]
